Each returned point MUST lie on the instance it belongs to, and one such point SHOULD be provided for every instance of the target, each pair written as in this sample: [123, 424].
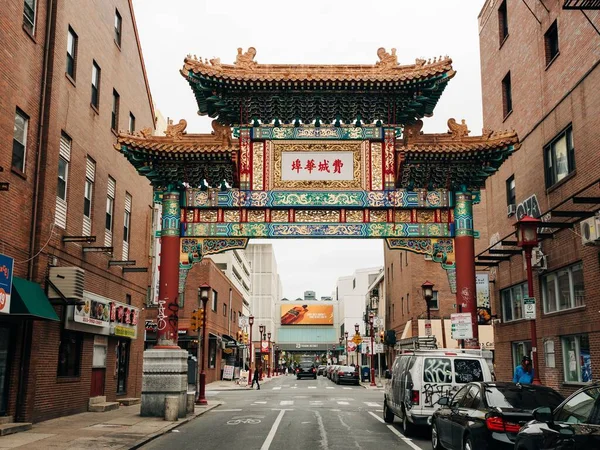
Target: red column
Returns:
[251, 357]
[533, 331]
[202, 392]
[168, 306]
[464, 249]
[372, 355]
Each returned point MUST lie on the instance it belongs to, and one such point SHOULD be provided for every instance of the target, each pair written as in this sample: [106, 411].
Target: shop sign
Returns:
[232, 344]
[150, 326]
[124, 332]
[94, 311]
[125, 319]
[6, 275]
[264, 346]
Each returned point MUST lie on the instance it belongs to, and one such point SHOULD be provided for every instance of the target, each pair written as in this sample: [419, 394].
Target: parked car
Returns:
[330, 370]
[321, 370]
[419, 378]
[574, 424]
[306, 370]
[346, 374]
[487, 415]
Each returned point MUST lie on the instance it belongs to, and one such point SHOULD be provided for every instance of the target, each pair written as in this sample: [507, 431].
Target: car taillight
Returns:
[341, 373]
[297, 370]
[415, 397]
[314, 370]
[497, 423]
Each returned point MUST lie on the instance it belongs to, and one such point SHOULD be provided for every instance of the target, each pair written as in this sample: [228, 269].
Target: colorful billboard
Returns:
[306, 314]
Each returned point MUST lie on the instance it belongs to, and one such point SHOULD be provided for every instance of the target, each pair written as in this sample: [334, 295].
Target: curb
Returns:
[177, 424]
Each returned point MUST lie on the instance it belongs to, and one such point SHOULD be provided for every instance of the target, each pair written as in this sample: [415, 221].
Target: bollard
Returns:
[171, 408]
[191, 399]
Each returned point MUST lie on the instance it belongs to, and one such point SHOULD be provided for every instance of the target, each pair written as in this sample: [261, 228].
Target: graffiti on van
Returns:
[437, 370]
[433, 392]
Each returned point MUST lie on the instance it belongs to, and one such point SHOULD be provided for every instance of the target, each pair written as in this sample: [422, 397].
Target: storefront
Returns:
[114, 326]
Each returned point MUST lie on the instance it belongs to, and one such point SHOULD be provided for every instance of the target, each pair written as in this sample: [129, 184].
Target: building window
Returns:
[114, 121]
[118, 27]
[559, 157]
[506, 95]
[408, 303]
[127, 219]
[502, 22]
[131, 123]
[549, 355]
[88, 192]
[551, 43]
[577, 361]
[63, 170]
[434, 303]
[224, 310]
[20, 141]
[214, 300]
[87, 198]
[69, 354]
[110, 205]
[563, 289]
[520, 349]
[71, 53]
[212, 353]
[29, 11]
[511, 196]
[512, 302]
[96, 73]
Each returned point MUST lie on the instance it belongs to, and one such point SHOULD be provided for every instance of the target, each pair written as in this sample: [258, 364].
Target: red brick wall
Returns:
[545, 101]
[68, 110]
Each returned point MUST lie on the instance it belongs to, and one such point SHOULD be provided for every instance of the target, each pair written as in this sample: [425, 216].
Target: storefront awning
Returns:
[28, 299]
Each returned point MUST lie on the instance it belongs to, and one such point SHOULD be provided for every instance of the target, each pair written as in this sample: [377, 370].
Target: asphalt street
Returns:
[292, 414]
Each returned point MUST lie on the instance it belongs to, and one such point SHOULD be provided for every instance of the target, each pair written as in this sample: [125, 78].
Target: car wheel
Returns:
[435, 438]
[468, 445]
[388, 415]
[407, 427]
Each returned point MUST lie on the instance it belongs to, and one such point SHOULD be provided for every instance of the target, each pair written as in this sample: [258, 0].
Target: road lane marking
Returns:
[271, 434]
[405, 439]
[322, 432]
[377, 417]
[286, 402]
[336, 410]
[226, 410]
[312, 387]
[329, 387]
[343, 403]
[379, 410]
[347, 388]
[259, 403]
[372, 404]
[277, 388]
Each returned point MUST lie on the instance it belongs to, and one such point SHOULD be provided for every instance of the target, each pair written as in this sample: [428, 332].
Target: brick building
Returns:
[223, 309]
[540, 77]
[70, 78]
[406, 309]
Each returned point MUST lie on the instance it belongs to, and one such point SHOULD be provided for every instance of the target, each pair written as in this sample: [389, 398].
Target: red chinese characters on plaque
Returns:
[317, 166]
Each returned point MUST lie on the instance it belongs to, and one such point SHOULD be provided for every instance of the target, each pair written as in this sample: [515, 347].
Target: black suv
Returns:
[306, 370]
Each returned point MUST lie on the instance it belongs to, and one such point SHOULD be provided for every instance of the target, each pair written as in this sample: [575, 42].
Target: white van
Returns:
[418, 378]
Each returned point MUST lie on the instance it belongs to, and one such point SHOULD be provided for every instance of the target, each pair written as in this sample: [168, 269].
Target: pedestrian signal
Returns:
[194, 322]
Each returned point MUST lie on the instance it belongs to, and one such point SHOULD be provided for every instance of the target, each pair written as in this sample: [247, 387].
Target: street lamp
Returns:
[346, 348]
[371, 319]
[427, 288]
[527, 238]
[356, 328]
[261, 331]
[269, 360]
[250, 322]
[203, 292]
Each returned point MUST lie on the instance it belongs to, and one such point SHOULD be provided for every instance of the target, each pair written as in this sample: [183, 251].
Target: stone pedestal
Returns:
[164, 374]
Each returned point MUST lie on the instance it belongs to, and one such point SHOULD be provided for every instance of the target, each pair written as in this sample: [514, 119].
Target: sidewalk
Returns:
[228, 385]
[122, 428]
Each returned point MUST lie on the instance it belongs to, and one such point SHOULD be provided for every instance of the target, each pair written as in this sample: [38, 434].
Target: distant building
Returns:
[310, 296]
[326, 299]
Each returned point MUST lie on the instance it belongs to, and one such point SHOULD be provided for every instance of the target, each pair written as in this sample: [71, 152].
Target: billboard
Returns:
[306, 314]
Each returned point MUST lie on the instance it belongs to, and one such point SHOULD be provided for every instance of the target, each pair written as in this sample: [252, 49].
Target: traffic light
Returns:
[239, 336]
[194, 323]
[200, 317]
[246, 339]
[382, 336]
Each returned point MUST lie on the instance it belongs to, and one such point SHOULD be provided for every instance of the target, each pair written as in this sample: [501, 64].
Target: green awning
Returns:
[28, 299]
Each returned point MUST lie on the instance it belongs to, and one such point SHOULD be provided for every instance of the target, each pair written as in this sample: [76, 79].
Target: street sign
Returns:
[351, 347]
[461, 326]
[366, 348]
[529, 306]
[6, 276]
[427, 327]
[379, 348]
[357, 339]
[378, 321]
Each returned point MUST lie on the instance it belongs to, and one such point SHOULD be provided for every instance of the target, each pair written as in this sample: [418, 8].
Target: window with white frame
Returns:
[512, 302]
[559, 157]
[434, 303]
[577, 361]
[20, 141]
[29, 13]
[96, 74]
[131, 122]
[126, 227]
[71, 53]
[563, 289]
[110, 207]
[214, 300]
[88, 193]
[549, 355]
[118, 27]
[60, 214]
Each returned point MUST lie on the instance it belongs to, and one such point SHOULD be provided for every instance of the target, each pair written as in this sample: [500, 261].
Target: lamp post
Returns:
[250, 322]
[427, 288]
[371, 318]
[341, 340]
[527, 238]
[356, 328]
[261, 330]
[276, 360]
[269, 364]
[203, 294]
[346, 348]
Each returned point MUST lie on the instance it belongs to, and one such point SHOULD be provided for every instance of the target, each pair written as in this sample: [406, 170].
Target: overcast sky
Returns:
[323, 32]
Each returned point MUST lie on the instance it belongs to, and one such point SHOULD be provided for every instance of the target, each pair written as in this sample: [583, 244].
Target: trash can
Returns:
[192, 369]
[365, 373]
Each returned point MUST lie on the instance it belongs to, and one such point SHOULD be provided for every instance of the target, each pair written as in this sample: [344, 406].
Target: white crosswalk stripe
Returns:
[259, 403]
[329, 387]
[312, 387]
[286, 403]
[343, 403]
[277, 388]
[372, 404]
[347, 388]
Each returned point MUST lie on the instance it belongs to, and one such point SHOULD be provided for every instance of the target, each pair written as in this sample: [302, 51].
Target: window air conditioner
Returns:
[69, 280]
[538, 259]
[590, 233]
[511, 210]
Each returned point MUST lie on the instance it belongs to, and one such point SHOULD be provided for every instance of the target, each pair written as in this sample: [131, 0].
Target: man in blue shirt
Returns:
[524, 371]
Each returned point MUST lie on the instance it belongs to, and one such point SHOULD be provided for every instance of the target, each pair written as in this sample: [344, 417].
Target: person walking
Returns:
[256, 378]
[524, 371]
